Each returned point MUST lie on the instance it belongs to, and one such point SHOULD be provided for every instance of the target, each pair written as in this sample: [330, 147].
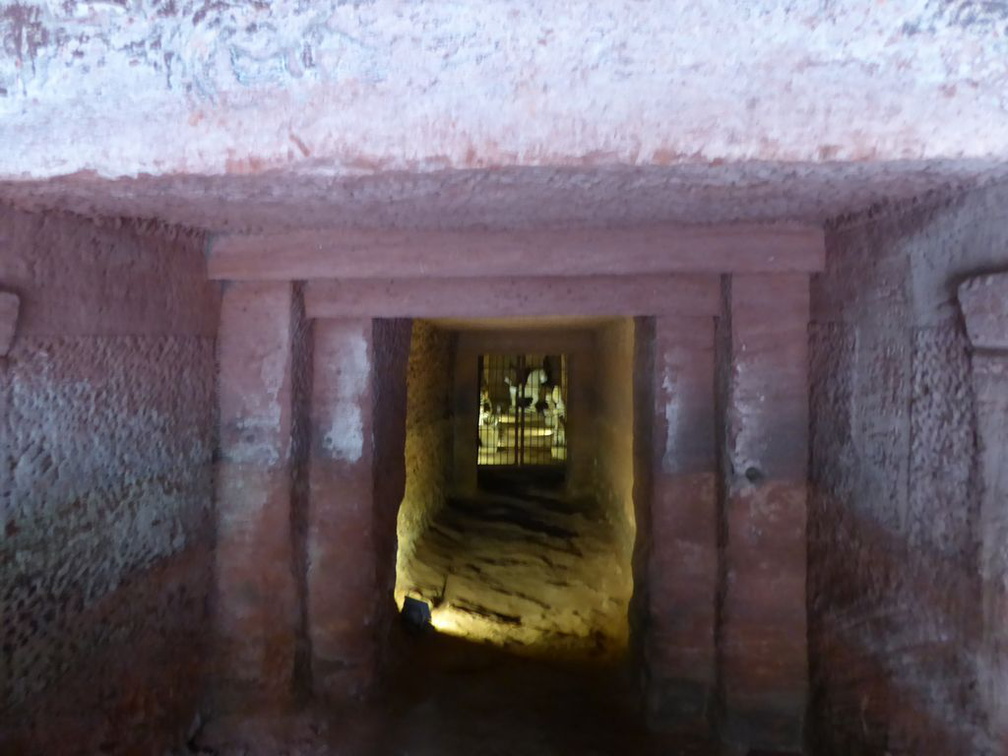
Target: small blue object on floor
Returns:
[416, 615]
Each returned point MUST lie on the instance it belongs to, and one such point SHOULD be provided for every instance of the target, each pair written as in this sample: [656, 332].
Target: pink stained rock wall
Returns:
[356, 482]
[763, 389]
[257, 619]
[108, 408]
[895, 618]
[681, 526]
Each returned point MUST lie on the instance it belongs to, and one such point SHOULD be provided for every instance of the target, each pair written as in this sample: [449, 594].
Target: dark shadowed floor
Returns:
[457, 698]
[535, 589]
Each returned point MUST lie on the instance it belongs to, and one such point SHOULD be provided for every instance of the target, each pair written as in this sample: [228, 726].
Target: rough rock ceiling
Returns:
[246, 115]
[507, 198]
[189, 86]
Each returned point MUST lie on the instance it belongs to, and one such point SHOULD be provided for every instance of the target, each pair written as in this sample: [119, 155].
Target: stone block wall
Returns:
[357, 479]
[680, 526]
[107, 431]
[895, 534]
[764, 456]
[258, 619]
[310, 478]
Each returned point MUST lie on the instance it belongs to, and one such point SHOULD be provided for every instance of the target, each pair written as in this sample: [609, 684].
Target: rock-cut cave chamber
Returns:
[678, 401]
[755, 500]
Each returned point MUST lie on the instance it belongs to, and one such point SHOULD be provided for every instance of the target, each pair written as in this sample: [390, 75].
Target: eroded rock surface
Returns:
[533, 571]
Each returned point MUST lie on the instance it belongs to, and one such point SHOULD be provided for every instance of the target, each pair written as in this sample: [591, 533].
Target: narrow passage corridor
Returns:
[524, 567]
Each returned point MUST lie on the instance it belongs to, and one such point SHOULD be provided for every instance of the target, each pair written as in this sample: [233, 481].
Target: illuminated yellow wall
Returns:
[613, 438]
[428, 437]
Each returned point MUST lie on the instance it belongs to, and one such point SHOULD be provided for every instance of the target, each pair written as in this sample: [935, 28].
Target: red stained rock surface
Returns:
[108, 406]
[896, 521]
[764, 657]
[256, 602]
[682, 574]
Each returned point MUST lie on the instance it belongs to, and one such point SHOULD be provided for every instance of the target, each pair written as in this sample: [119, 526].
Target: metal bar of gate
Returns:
[520, 413]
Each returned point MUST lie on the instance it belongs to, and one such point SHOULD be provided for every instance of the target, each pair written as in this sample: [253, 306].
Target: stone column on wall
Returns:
[356, 479]
[257, 612]
[984, 302]
[682, 564]
[762, 636]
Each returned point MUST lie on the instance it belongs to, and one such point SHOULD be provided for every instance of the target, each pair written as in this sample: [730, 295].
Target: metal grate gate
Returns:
[523, 409]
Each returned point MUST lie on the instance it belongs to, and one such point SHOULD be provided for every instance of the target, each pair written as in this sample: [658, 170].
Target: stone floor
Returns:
[523, 567]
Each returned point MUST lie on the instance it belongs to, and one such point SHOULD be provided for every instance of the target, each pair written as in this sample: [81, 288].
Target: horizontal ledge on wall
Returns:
[516, 297]
[648, 250]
